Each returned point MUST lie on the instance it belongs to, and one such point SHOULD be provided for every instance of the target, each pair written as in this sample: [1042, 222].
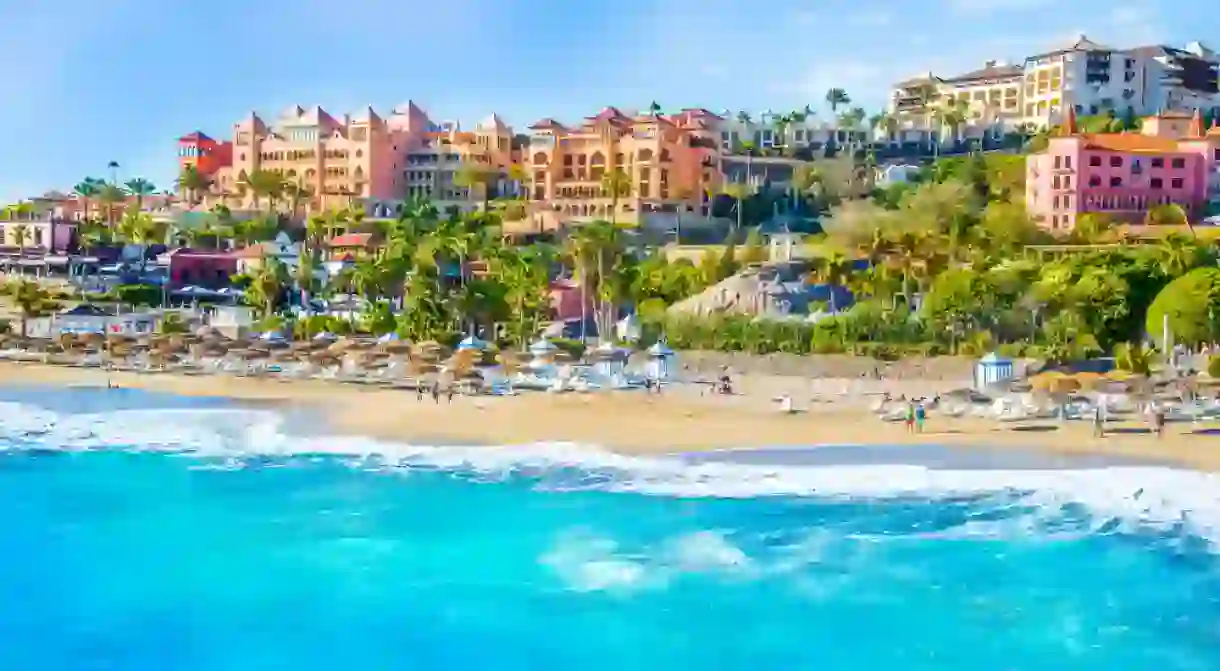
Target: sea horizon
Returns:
[148, 530]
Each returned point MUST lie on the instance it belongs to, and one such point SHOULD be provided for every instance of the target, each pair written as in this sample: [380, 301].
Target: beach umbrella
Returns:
[325, 337]
[471, 343]
[659, 349]
[389, 337]
[543, 347]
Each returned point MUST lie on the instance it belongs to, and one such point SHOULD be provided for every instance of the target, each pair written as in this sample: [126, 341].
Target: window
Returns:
[1176, 182]
[1179, 163]
[1094, 180]
[1095, 161]
[1155, 183]
[1116, 161]
[1116, 181]
[1058, 162]
[1067, 162]
[1158, 163]
[1216, 155]
[1067, 181]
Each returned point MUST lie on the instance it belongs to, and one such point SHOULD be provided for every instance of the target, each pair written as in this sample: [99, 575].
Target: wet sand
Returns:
[637, 423]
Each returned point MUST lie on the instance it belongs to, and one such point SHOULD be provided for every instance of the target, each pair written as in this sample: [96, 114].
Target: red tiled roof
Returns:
[545, 124]
[608, 114]
[352, 240]
[197, 136]
[1129, 142]
[699, 112]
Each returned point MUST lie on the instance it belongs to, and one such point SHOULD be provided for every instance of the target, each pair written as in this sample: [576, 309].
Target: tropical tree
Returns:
[85, 191]
[615, 184]
[265, 184]
[266, 285]
[31, 299]
[140, 188]
[478, 178]
[837, 98]
[112, 197]
[193, 184]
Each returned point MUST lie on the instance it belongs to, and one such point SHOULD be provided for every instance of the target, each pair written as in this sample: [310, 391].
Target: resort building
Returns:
[336, 161]
[669, 162]
[793, 132]
[1085, 75]
[1172, 160]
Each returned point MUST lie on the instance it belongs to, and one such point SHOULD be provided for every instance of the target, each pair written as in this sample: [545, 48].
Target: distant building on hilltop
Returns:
[1172, 160]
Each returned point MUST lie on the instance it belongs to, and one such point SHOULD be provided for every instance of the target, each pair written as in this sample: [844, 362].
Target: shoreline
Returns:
[634, 423]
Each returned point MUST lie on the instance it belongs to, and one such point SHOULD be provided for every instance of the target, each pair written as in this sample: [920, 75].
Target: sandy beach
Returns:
[637, 423]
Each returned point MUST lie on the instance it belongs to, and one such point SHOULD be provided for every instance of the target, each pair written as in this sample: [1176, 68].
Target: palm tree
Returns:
[140, 188]
[837, 98]
[477, 178]
[654, 109]
[833, 271]
[113, 167]
[266, 285]
[193, 183]
[615, 184]
[31, 299]
[21, 234]
[265, 184]
[740, 193]
[85, 191]
[111, 195]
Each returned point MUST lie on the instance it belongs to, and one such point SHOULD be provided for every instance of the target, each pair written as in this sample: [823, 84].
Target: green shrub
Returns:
[573, 348]
[1213, 366]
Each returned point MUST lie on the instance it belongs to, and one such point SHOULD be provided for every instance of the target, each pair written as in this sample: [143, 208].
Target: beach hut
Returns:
[471, 343]
[660, 361]
[609, 362]
[991, 369]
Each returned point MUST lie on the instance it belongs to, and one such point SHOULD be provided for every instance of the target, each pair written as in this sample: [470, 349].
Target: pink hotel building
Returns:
[1173, 159]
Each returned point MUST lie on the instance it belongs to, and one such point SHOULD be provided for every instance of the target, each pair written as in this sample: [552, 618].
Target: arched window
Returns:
[645, 154]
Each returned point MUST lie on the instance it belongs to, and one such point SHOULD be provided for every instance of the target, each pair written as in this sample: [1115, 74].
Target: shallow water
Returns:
[153, 532]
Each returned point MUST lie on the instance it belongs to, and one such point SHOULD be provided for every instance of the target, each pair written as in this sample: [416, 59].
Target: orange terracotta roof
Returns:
[1129, 142]
[197, 136]
[352, 240]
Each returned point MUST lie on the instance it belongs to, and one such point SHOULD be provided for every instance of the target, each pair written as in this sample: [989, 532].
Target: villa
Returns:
[1173, 159]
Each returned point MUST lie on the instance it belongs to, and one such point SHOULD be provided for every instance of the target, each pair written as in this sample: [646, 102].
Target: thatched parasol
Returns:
[1054, 382]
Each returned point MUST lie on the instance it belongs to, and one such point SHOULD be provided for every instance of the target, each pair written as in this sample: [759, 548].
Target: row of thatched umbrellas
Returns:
[420, 358]
[1114, 382]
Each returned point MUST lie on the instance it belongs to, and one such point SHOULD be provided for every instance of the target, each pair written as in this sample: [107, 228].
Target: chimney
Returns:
[1196, 124]
[1069, 122]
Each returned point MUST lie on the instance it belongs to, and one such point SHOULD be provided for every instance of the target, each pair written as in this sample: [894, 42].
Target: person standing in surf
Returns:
[921, 414]
[1099, 422]
[910, 418]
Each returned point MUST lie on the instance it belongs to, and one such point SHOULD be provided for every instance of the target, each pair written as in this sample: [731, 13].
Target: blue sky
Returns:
[87, 83]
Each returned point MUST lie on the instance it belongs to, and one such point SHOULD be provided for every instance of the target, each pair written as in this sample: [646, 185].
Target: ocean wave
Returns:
[1118, 499]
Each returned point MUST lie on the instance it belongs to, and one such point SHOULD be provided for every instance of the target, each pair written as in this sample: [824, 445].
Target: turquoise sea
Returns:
[144, 532]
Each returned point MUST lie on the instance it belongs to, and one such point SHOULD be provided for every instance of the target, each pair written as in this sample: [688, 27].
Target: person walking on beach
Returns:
[1158, 422]
[910, 418]
[449, 394]
[1099, 423]
[921, 413]
[436, 393]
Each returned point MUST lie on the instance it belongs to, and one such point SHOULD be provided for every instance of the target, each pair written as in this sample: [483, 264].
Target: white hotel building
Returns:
[1085, 74]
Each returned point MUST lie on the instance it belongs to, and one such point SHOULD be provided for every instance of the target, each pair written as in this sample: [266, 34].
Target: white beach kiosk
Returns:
[660, 361]
[991, 369]
[610, 362]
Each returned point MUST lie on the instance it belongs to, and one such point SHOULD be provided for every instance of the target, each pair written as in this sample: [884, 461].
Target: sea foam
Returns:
[1118, 497]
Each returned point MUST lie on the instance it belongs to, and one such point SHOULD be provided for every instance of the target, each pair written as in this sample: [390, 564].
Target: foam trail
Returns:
[1135, 497]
